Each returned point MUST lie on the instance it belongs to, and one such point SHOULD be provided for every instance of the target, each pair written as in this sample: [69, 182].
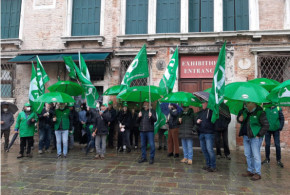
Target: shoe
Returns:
[151, 161]
[164, 148]
[266, 161]
[97, 157]
[218, 156]
[248, 174]
[205, 168]
[256, 177]
[159, 148]
[92, 150]
[279, 163]
[228, 157]
[176, 155]
[189, 162]
[102, 157]
[20, 156]
[120, 149]
[184, 160]
[136, 147]
[64, 156]
[128, 150]
[142, 160]
[170, 154]
[211, 169]
[58, 156]
[29, 155]
[40, 151]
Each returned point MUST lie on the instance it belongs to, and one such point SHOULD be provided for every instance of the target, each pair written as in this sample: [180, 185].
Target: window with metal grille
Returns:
[97, 70]
[274, 66]
[125, 63]
[7, 77]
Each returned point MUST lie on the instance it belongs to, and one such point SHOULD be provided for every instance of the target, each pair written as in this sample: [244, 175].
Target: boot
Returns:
[189, 162]
[184, 160]
[256, 177]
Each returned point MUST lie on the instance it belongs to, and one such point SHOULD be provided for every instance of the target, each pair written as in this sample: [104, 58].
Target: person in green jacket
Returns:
[276, 120]
[63, 124]
[25, 125]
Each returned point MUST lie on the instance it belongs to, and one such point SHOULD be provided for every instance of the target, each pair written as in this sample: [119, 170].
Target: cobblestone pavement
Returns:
[120, 174]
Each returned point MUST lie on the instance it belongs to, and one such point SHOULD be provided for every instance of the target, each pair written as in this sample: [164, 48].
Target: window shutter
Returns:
[242, 14]
[194, 15]
[86, 17]
[206, 16]
[229, 15]
[136, 16]
[168, 16]
[10, 18]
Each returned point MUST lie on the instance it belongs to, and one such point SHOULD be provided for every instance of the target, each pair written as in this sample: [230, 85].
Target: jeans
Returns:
[206, 143]
[145, 138]
[187, 148]
[161, 136]
[100, 142]
[26, 142]
[6, 133]
[61, 137]
[276, 136]
[44, 137]
[252, 152]
[218, 135]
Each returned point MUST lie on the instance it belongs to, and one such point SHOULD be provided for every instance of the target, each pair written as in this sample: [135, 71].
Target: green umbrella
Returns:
[55, 97]
[245, 91]
[281, 94]
[139, 94]
[268, 84]
[115, 90]
[68, 87]
[182, 97]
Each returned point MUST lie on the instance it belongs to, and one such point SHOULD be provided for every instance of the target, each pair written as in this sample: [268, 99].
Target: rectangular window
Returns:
[7, 77]
[200, 15]
[10, 18]
[136, 16]
[168, 16]
[86, 17]
[236, 15]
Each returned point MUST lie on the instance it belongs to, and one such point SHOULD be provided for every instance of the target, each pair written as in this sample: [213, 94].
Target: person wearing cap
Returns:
[75, 123]
[113, 113]
[146, 119]
[173, 142]
[101, 131]
[207, 136]
[276, 121]
[83, 120]
[63, 124]
[124, 119]
[254, 125]
[25, 126]
[134, 132]
[186, 120]
[91, 116]
[45, 127]
[7, 120]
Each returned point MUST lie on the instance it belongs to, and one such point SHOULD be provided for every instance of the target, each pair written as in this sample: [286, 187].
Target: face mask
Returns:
[28, 109]
[5, 109]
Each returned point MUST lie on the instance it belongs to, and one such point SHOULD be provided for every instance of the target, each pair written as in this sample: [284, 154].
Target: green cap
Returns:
[111, 102]
[27, 104]
[70, 104]
[106, 105]
[125, 104]
[146, 100]
[185, 104]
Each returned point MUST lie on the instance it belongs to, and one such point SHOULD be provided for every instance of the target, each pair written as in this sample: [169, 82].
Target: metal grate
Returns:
[275, 67]
[124, 66]
[7, 77]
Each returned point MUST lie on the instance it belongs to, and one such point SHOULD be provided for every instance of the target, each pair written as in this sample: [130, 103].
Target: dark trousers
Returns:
[126, 138]
[134, 132]
[147, 137]
[26, 142]
[44, 137]
[161, 136]
[6, 137]
[276, 136]
[219, 135]
[120, 139]
[111, 134]
[173, 142]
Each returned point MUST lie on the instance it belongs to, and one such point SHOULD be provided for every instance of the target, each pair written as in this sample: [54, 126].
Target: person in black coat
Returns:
[101, 131]
[125, 119]
[112, 124]
[7, 120]
[147, 118]
[134, 127]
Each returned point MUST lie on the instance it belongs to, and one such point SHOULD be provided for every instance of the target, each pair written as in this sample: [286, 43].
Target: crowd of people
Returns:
[59, 124]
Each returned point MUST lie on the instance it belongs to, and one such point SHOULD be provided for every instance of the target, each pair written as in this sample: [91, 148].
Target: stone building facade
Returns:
[257, 33]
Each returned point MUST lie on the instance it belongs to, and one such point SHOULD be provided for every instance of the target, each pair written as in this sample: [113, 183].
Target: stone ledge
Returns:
[16, 42]
[66, 40]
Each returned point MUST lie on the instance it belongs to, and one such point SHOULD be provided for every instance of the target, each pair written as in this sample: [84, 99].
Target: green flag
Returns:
[138, 68]
[34, 92]
[168, 79]
[69, 64]
[83, 67]
[41, 76]
[90, 90]
[161, 119]
[216, 96]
